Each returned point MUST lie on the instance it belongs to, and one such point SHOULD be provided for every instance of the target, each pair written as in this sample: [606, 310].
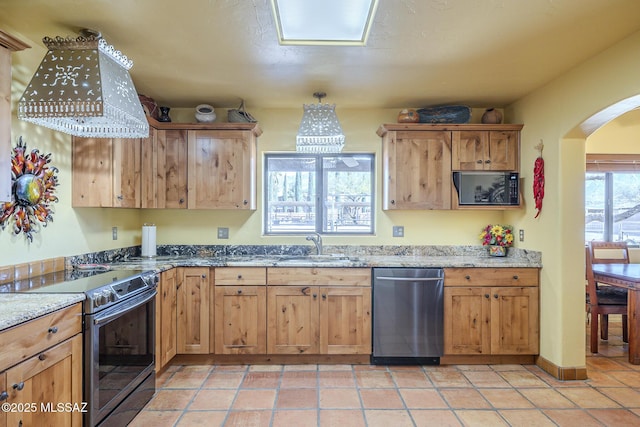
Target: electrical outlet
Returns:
[114, 233]
[223, 233]
[398, 231]
[521, 235]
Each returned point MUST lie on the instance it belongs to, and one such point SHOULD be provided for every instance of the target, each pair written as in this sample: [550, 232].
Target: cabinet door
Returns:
[193, 311]
[164, 169]
[92, 159]
[470, 150]
[503, 150]
[417, 170]
[292, 320]
[149, 170]
[169, 318]
[240, 320]
[345, 320]
[55, 375]
[126, 172]
[221, 169]
[514, 320]
[172, 168]
[466, 320]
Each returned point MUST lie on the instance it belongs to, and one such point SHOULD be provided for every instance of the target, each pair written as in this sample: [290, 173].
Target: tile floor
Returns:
[394, 396]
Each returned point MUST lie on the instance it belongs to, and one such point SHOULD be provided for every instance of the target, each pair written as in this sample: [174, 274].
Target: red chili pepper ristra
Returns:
[538, 184]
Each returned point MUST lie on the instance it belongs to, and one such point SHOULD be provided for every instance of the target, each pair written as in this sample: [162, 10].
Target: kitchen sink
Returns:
[305, 259]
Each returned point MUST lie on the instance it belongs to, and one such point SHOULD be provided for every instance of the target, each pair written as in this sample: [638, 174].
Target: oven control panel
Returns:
[109, 294]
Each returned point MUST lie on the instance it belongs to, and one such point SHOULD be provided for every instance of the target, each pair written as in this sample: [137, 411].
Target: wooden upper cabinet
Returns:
[126, 172]
[496, 150]
[222, 169]
[416, 169]
[91, 170]
[8, 44]
[106, 172]
[164, 169]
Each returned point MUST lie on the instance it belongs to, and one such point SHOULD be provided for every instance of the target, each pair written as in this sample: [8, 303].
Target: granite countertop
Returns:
[22, 307]
[165, 262]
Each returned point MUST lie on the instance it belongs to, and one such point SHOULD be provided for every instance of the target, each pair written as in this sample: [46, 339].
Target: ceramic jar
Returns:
[492, 116]
[408, 116]
[205, 113]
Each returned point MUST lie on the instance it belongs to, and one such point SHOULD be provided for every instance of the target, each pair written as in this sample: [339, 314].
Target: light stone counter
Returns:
[19, 308]
[335, 260]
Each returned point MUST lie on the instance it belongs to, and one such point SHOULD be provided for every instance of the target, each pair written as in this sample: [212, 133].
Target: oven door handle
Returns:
[125, 307]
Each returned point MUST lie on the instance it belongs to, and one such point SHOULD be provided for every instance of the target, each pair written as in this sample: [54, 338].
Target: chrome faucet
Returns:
[316, 238]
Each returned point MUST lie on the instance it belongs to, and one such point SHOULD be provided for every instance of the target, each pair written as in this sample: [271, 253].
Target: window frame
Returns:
[610, 164]
[320, 186]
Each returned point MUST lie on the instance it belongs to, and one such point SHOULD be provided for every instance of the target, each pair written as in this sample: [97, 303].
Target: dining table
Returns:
[625, 276]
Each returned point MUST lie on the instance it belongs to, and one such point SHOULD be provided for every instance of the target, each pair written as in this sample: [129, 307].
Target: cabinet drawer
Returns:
[238, 276]
[308, 276]
[490, 277]
[24, 341]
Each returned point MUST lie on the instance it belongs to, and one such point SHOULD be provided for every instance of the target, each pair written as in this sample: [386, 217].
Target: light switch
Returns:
[223, 233]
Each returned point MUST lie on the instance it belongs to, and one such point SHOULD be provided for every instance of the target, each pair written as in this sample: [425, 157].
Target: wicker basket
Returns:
[239, 115]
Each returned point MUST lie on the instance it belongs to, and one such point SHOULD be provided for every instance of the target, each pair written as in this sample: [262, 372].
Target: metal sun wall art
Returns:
[32, 191]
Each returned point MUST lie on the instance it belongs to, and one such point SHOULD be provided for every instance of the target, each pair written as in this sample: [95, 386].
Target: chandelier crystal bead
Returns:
[320, 130]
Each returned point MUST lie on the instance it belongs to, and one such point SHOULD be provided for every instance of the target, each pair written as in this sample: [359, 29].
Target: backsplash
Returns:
[208, 251]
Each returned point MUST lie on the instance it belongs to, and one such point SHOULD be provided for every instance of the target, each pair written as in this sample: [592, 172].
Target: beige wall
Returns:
[553, 114]
[619, 136]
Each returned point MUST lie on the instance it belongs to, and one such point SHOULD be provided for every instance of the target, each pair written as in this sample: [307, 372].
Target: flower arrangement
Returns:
[497, 235]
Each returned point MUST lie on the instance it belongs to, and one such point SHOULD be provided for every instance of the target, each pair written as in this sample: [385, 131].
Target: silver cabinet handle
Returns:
[409, 279]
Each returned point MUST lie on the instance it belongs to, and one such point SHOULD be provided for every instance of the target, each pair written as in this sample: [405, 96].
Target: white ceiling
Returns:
[419, 53]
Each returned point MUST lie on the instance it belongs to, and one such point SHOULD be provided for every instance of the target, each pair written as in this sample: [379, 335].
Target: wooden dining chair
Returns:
[602, 299]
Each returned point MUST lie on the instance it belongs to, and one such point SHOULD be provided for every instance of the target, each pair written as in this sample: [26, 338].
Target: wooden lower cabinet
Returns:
[318, 311]
[345, 320]
[240, 311]
[491, 320]
[54, 376]
[292, 320]
[166, 318]
[193, 310]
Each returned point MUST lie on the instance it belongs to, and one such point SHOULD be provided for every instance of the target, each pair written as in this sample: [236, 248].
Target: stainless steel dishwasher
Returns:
[408, 316]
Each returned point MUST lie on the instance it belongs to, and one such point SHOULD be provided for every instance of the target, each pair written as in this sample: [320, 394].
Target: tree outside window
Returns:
[324, 193]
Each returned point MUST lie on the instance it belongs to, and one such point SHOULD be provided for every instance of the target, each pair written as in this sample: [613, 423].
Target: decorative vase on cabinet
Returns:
[492, 116]
[496, 250]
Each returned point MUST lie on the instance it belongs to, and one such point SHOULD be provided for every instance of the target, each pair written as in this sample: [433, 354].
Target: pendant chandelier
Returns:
[83, 88]
[320, 130]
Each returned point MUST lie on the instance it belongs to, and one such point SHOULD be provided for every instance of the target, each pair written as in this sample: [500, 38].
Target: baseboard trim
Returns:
[561, 373]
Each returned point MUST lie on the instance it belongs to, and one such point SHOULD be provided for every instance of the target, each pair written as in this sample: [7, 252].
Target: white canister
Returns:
[149, 240]
[205, 113]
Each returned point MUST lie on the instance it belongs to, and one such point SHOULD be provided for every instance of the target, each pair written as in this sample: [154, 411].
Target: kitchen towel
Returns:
[148, 240]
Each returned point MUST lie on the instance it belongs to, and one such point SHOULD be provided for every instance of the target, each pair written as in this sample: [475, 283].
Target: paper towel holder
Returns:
[148, 244]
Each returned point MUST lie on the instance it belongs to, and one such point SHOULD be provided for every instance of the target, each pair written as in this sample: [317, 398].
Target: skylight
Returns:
[323, 22]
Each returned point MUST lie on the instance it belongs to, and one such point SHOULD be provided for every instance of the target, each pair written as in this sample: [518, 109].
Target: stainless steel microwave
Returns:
[482, 188]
